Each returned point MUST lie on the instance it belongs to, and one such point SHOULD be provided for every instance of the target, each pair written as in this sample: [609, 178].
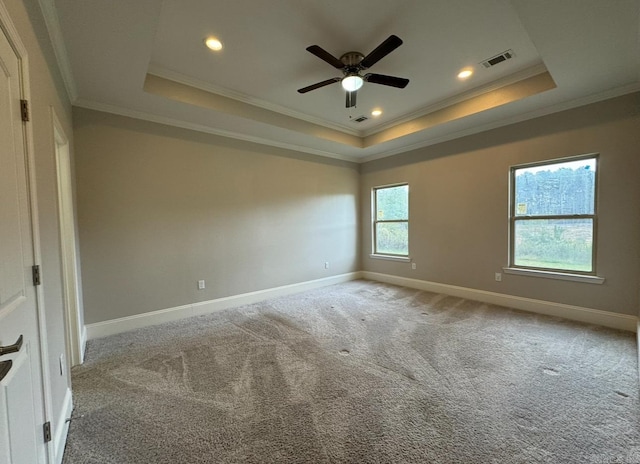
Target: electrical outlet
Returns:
[201, 285]
[498, 277]
[326, 264]
[413, 266]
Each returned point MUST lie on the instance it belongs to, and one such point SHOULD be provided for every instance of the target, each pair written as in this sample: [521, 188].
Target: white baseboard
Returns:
[575, 313]
[124, 324]
[61, 428]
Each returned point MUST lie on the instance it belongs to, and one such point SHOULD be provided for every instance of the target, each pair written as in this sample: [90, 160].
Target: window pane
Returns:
[392, 203]
[559, 188]
[392, 238]
[564, 244]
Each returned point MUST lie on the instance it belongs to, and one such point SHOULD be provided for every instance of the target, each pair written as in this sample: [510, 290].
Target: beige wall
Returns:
[47, 91]
[160, 208]
[459, 204]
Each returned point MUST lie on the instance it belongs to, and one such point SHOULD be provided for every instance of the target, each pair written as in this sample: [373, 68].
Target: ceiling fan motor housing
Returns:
[352, 61]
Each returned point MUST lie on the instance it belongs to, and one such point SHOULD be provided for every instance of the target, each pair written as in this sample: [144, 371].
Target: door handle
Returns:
[11, 348]
[5, 367]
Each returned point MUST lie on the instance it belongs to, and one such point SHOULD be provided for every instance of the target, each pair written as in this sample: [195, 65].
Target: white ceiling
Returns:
[146, 59]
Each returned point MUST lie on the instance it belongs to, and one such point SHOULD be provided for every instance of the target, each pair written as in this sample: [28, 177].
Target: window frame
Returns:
[374, 215]
[513, 218]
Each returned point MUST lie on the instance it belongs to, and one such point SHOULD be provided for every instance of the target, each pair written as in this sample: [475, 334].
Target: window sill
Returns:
[554, 275]
[402, 259]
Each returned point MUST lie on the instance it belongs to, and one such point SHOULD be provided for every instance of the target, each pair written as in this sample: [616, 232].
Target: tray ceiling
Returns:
[147, 59]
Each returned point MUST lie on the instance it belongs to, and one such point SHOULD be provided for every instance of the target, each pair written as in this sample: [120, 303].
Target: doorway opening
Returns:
[75, 338]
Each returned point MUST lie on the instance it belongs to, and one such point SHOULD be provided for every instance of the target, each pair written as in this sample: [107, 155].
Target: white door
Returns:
[21, 391]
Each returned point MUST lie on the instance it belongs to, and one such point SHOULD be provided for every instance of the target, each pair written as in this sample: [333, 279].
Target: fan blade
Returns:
[392, 81]
[351, 99]
[383, 50]
[319, 84]
[326, 56]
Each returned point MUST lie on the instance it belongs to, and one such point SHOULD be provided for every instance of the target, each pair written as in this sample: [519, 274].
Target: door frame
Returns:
[10, 31]
[68, 245]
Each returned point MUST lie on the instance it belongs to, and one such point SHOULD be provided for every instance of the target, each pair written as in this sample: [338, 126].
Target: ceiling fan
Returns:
[352, 64]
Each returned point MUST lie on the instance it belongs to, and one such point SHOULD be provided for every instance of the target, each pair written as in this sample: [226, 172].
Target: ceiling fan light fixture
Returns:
[352, 82]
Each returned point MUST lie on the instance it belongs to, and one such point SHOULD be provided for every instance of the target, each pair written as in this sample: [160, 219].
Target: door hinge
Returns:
[35, 270]
[24, 110]
[46, 428]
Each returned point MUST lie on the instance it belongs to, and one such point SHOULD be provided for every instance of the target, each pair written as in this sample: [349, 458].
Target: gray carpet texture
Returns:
[360, 372]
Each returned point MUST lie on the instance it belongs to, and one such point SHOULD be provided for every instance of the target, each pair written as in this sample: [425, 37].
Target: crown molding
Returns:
[612, 93]
[567, 105]
[159, 71]
[52, 22]
[461, 97]
[121, 111]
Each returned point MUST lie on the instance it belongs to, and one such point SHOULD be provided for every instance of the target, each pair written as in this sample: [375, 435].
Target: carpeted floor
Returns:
[360, 372]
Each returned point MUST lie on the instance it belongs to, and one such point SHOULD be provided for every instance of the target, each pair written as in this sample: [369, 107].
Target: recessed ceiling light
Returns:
[376, 113]
[465, 73]
[213, 43]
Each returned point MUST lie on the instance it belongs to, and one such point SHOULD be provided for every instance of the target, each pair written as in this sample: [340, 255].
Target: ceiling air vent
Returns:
[360, 118]
[504, 56]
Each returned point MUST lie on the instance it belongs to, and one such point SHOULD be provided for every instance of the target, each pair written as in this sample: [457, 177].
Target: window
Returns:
[553, 215]
[391, 220]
